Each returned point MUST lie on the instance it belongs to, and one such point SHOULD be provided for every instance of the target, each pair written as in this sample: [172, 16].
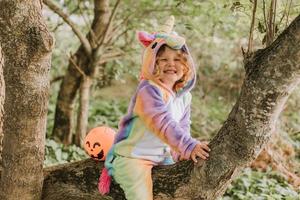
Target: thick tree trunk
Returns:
[271, 75]
[82, 118]
[72, 181]
[63, 121]
[2, 97]
[78, 181]
[65, 102]
[26, 45]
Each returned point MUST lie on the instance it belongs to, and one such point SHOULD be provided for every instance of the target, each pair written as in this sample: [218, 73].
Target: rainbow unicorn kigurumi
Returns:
[156, 129]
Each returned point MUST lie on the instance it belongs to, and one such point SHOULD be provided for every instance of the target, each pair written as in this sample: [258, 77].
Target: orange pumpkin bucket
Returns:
[98, 142]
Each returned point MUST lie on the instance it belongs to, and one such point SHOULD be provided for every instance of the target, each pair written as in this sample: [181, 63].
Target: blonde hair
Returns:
[186, 68]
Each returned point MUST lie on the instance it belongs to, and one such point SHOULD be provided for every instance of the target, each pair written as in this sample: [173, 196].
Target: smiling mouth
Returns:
[170, 71]
[99, 156]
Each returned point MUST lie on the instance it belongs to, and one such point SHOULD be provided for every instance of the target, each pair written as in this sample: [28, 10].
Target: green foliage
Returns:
[208, 114]
[260, 186]
[107, 112]
[56, 153]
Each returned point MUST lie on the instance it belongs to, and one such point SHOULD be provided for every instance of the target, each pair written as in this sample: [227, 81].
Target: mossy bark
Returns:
[26, 46]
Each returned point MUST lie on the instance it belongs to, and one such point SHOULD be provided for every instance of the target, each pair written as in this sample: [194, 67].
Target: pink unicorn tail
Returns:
[104, 182]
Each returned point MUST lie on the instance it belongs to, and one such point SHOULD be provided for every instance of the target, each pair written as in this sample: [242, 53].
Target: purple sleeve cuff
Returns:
[190, 148]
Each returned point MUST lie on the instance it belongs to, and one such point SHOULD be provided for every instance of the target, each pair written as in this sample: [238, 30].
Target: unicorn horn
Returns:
[168, 25]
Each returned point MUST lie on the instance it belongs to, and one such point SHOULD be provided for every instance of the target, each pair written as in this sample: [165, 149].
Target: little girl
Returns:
[156, 129]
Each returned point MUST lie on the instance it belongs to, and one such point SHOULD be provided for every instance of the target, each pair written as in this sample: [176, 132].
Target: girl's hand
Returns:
[201, 150]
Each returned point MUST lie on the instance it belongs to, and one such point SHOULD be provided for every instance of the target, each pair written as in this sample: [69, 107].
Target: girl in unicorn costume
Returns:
[156, 129]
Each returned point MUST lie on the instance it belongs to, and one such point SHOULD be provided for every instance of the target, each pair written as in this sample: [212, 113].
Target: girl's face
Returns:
[169, 67]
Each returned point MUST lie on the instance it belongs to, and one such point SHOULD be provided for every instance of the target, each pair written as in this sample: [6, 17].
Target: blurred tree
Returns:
[26, 45]
[93, 53]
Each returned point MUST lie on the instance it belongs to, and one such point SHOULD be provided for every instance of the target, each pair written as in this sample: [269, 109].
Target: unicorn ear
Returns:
[145, 38]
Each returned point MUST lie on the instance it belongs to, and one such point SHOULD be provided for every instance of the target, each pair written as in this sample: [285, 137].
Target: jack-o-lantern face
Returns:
[95, 149]
[98, 142]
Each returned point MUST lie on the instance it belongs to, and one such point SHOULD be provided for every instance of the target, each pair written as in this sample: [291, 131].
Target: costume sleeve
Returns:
[185, 124]
[185, 121]
[153, 111]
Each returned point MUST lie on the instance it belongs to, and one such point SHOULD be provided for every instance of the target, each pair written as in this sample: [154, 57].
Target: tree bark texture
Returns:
[2, 97]
[82, 118]
[271, 76]
[63, 122]
[26, 45]
[78, 181]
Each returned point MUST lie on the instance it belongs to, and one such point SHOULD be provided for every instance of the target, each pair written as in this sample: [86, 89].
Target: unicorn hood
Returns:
[152, 42]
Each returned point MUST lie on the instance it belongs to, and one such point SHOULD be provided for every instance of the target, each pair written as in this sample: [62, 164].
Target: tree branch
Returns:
[288, 14]
[250, 41]
[58, 78]
[86, 45]
[76, 66]
[274, 73]
[86, 21]
[103, 37]
[78, 180]
[117, 28]
[271, 24]
[110, 56]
